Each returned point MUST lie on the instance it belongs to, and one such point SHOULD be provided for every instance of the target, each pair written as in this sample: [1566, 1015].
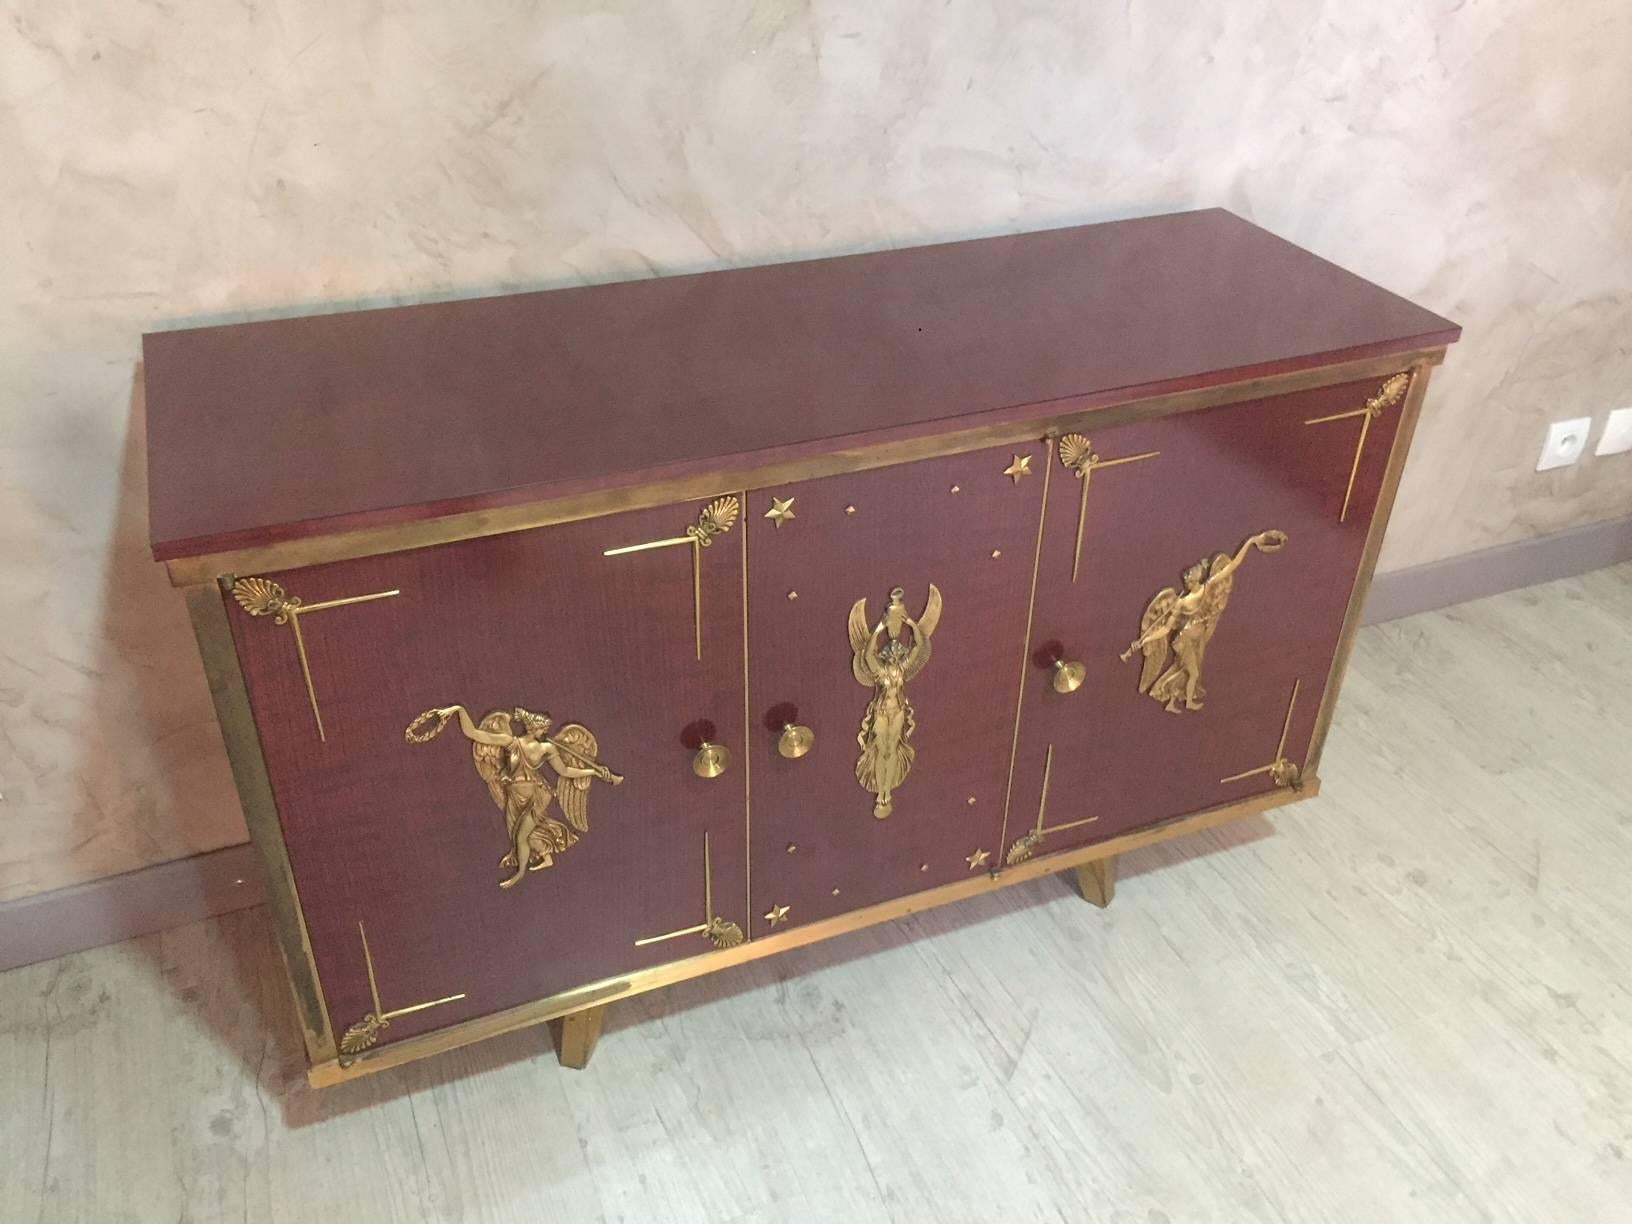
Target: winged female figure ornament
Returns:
[511, 762]
[1186, 623]
[884, 660]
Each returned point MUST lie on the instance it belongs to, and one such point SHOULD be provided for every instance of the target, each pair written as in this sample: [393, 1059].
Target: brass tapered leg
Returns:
[1097, 880]
[575, 1036]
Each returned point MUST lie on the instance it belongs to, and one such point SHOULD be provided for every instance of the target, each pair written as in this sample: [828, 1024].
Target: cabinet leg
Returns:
[1097, 880]
[575, 1036]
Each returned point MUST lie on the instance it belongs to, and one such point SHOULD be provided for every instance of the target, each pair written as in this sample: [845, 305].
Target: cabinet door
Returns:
[964, 526]
[396, 831]
[1158, 506]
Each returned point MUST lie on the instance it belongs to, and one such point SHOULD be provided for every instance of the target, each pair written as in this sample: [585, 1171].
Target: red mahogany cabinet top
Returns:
[568, 644]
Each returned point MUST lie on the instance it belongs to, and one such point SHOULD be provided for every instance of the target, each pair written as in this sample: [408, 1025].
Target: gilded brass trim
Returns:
[207, 608]
[881, 659]
[1185, 624]
[365, 1034]
[1281, 771]
[1023, 425]
[1389, 394]
[715, 519]
[1077, 454]
[596, 993]
[511, 766]
[747, 730]
[1026, 847]
[717, 930]
[1025, 649]
[1410, 413]
[263, 597]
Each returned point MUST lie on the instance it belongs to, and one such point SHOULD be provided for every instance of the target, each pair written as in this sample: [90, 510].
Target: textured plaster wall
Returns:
[180, 162]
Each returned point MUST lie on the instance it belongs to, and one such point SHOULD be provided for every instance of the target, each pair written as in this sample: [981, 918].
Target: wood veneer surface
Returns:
[283, 429]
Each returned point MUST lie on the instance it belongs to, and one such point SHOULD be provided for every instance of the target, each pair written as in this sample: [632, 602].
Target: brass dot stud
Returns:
[996, 553]
[849, 509]
[923, 866]
[835, 892]
[792, 847]
[793, 594]
[971, 801]
[956, 489]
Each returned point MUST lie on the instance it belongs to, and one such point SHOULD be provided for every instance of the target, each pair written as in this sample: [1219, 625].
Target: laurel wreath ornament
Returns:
[412, 734]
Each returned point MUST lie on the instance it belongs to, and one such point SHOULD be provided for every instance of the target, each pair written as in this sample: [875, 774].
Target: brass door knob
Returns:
[795, 741]
[711, 760]
[1068, 675]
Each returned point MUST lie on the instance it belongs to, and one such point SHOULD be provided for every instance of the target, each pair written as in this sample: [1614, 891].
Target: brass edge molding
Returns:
[265, 597]
[1049, 416]
[598, 993]
[207, 607]
[747, 757]
[1025, 648]
[1410, 413]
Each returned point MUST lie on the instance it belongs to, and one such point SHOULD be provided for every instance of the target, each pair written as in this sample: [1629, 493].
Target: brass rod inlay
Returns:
[719, 931]
[366, 1032]
[418, 1007]
[714, 519]
[646, 547]
[347, 602]
[263, 597]
[697, 595]
[1281, 771]
[1027, 846]
[368, 959]
[1025, 650]
[306, 671]
[1077, 454]
[691, 930]
[1390, 393]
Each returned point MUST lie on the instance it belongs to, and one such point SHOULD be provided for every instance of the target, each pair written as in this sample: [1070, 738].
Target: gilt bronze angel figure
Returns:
[512, 766]
[1186, 623]
[884, 660]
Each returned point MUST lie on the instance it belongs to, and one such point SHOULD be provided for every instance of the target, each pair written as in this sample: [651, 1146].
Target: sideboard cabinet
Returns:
[570, 644]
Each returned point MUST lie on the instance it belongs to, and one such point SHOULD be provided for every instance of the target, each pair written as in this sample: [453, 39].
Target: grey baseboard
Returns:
[1439, 584]
[134, 903]
[191, 889]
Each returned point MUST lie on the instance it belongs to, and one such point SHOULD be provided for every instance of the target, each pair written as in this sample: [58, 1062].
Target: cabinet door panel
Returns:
[406, 838]
[1115, 759]
[960, 524]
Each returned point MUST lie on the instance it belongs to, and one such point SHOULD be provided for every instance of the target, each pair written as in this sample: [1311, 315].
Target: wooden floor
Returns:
[1405, 1000]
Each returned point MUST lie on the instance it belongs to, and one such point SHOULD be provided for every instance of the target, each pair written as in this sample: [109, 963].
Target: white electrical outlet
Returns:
[1617, 435]
[1566, 442]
